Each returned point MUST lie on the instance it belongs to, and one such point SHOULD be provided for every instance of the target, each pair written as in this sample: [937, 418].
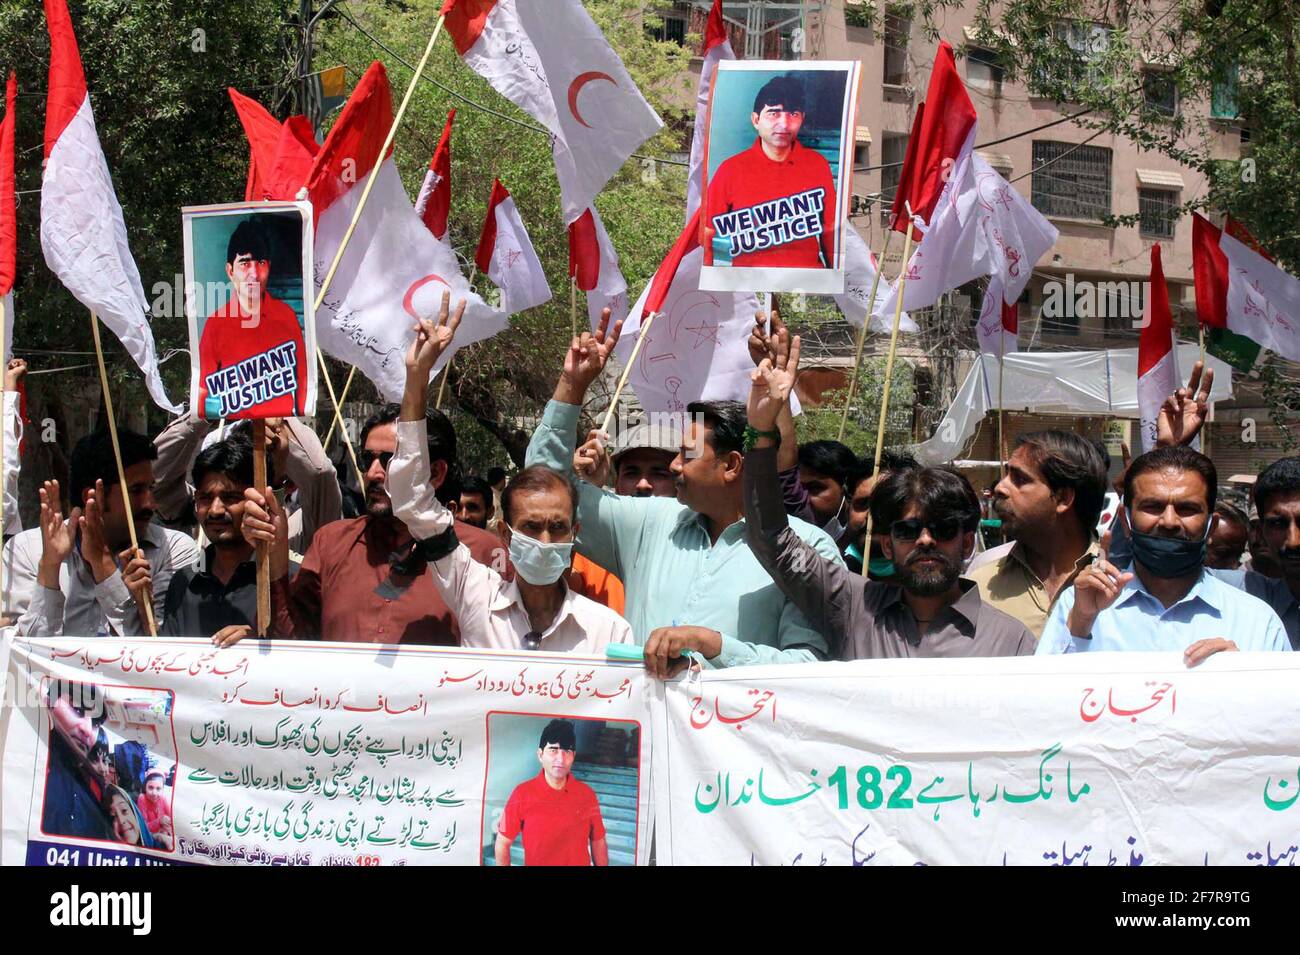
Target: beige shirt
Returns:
[488, 608]
[1012, 586]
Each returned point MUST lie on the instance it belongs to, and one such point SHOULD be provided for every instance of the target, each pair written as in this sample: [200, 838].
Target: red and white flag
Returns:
[1157, 355]
[8, 215]
[716, 49]
[552, 61]
[859, 278]
[83, 235]
[938, 183]
[1240, 289]
[434, 201]
[393, 270]
[506, 256]
[593, 264]
[999, 321]
[1012, 235]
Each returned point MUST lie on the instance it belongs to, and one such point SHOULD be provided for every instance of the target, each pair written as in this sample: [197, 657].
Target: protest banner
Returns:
[160, 752]
[249, 305]
[777, 166]
[1121, 759]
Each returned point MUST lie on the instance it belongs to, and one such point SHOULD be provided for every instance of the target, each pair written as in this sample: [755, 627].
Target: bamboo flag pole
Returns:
[573, 306]
[1201, 328]
[627, 370]
[263, 551]
[352, 227]
[446, 369]
[1002, 368]
[862, 335]
[121, 471]
[343, 398]
[889, 364]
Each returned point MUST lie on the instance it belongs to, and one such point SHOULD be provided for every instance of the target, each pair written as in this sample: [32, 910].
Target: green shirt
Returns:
[673, 574]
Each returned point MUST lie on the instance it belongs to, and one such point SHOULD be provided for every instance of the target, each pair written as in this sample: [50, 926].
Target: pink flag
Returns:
[506, 256]
[552, 61]
[83, 234]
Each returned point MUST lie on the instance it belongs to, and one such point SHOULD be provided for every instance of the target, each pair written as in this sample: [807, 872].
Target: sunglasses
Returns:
[367, 458]
[944, 529]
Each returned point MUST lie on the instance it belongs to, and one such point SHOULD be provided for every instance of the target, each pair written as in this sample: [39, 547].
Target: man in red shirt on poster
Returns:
[252, 360]
[558, 815]
[773, 205]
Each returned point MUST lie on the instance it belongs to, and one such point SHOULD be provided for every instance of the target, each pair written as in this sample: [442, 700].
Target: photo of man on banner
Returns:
[249, 301]
[778, 161]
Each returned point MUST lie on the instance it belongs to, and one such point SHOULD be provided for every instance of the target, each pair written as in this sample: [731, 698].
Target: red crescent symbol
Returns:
[576, 87]
[407, 299]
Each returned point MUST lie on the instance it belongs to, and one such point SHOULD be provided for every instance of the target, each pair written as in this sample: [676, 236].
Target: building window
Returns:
[861, 155]
[1158, 211]
[1071, 181]
[1087, 43]
[984, 71]
[1223, 95]
[897, 30]
[1159, 92]
[892, 150]
[674, 22]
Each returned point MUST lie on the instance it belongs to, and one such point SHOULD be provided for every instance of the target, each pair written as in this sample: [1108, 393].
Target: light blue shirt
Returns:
[673, 574]
[1138, 621]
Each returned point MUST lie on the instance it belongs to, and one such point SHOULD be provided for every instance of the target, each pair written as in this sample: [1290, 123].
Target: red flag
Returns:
[898, 212]
[941, 138]
[505, 254]
[667, 271]
[434, 202]
[1157, 359]
[715, 31]
[1209, 273]
[584, 251]
[8, 194]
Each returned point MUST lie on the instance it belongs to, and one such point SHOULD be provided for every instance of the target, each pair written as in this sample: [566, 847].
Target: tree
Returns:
[503, 383]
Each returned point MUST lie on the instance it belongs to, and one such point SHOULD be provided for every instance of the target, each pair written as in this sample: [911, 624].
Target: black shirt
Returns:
[198, 604]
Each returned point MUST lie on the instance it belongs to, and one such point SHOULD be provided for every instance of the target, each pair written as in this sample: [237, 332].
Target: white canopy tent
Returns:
[1078, 382]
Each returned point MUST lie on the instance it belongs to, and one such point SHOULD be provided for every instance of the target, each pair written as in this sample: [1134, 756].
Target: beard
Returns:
[378, 503]
[928, 581]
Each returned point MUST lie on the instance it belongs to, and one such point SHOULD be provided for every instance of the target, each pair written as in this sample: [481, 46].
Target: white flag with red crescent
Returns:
[552, 61]
[83, 234]
[393, 270]
[505, 255]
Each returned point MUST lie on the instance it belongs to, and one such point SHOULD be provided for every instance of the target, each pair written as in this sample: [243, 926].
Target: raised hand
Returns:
[58, 536]
[592, 462]
[760, 338]
[586, 359]
[773, 380]
[432, 339]
[1184, 412]
[94, 546]
[1095, 589]
[14, 373]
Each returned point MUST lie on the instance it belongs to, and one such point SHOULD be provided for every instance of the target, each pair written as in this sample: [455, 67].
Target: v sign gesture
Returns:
[432, 339]
[586, 359]
[1184, 412]
[773, 380]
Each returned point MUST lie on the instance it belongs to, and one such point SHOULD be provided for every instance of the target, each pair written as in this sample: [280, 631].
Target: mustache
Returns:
[927, 553]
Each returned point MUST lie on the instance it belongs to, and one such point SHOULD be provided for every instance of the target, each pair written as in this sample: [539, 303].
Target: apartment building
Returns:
[1087, 292]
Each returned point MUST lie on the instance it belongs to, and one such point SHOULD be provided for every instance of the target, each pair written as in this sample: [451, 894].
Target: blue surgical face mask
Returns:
[1168, 557]
[537, 563]
[879, 567]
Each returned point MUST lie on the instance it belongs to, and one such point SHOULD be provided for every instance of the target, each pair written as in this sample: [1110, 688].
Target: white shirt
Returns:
[488, 608]
[81, 607]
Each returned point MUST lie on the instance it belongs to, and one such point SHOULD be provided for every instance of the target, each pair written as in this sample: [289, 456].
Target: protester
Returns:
[1276, 497]
[692, 582]
[15, 372]
[65, 577]
[859, 485]
[476, 503]
[558, 815]
[1167, 601]
[219, 600]
[1049, 501]
[298, 459]
[931, 515]
[1261, 558]
[643, 457]
[537, 610]
[1228, 540]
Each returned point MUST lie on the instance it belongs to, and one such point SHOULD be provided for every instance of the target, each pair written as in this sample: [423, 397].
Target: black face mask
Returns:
[1168, 557]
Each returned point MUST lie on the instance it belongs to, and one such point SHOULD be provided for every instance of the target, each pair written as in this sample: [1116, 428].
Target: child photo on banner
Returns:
[778, 162]
[249, 305]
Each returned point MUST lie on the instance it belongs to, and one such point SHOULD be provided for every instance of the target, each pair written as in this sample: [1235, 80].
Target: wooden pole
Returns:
[343, 398]
[889, 365]
[446, 369]
[121, 471]
[627, 370]
[573, 306]
[862, 335]
[352, 226]
[1201, 329]
[263, 555]
[1002, 367]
